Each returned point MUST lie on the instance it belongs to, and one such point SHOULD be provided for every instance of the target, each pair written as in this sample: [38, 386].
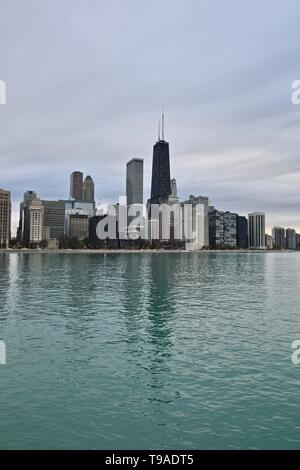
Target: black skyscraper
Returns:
[242, 232]
[161, 186]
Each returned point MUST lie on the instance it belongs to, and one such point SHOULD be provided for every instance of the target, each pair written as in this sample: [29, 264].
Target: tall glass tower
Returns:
[160, 186]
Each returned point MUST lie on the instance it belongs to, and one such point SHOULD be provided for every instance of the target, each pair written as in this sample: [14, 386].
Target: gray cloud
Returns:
[87, 80]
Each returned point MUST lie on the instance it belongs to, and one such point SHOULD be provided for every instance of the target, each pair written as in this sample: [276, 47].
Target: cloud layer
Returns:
[86, 82]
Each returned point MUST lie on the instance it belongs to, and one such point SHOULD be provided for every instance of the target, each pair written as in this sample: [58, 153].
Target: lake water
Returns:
[155, 351]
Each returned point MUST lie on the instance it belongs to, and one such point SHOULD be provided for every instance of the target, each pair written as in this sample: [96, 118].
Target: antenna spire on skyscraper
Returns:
[163, 125]
[158, 130]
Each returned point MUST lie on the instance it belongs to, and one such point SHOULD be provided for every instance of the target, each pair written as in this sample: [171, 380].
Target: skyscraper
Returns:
[291, 238]
[76, 186]
[193, 201]
[222, 229]
[5, 218]
[278, 235]
[160, 185]
[28, 196]
[78, 226]
[256, 230]
[88, 189]
[33, 222]
[134, 181]
[54, 218]
[241, 232]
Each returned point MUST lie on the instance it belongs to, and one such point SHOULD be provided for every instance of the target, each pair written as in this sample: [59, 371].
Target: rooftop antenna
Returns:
[163, 125]
[159, 130]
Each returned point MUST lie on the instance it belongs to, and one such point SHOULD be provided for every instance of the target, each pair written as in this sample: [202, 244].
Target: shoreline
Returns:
[124, 251]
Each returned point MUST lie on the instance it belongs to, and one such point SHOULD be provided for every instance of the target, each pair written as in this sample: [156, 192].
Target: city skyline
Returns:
[92, 194]
[232, 127]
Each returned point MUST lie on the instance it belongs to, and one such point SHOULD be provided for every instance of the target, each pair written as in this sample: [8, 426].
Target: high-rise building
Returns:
[76, 185]
[5, 218]
[54, 219]
[291, 243]
[134, 181]
[88, 189]
[278, 235]
[269, 241]
[160, 185]
[28, 196]
[257, 230]
[78, 226]
[34, 222]
[222, 229]
[241, 232]
[203, 236]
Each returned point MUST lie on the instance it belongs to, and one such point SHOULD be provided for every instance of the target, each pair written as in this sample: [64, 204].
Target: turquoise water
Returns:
[187, 350]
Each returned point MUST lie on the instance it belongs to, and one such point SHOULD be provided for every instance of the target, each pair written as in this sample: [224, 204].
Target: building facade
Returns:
[89, 189]
[269, 242]
[5, 218]
[33, 222]
[135, 181]
[78, 226]
[76, 185]
[54, 219]
[77, 208]
[222, 229]
[278, 236]
[257, 230]
[161, 184]
[198, 220]
[28, 196]
[291, 239]
[242, 232]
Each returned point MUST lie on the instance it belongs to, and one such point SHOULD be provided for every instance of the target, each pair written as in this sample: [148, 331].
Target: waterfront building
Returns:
[88, 189]
[76, 185]
[160, 184]
[257, 230]
[5, 218]
[97, 242]
[54, 219]
[242, 232]
[33, 222]
[134, 195]
[269, 242]
[134, 181]
[216, 229]
[291, 243]
[28, 196]
[278, 235]
[162, 225]
[222, 229]
[78, 226]
[198, 221]
[297, 241]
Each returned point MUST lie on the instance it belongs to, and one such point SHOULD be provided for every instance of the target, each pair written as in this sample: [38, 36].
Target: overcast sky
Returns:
[87, 79]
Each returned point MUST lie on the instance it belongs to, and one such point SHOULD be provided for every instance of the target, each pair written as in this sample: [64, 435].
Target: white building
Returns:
[36, 220]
